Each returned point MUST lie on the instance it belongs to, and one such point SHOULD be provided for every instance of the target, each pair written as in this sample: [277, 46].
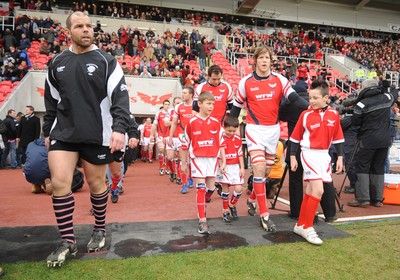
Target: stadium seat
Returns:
[6, 83]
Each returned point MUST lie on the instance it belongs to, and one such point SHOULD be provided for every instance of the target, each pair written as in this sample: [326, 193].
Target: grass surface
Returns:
[373, 251]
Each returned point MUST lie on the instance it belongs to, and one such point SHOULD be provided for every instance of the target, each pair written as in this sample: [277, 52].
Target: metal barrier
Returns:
[5, 22]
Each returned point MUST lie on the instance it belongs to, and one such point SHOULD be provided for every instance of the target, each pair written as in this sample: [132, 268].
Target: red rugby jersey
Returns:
[203, 137]
[262, 97]
[147, 130]
[159, 120]
[183, 113]
[318, 129]
[233, 149]
[171, 114]
[223, 94]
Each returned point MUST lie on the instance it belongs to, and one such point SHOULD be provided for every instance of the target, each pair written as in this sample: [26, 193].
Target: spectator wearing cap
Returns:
[118, 52]
[372, 114]
[125, 69]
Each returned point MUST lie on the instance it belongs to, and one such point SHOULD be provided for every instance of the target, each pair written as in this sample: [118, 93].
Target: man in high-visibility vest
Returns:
[359, 74]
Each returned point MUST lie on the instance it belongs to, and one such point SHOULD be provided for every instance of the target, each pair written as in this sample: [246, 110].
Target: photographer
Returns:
[372, 114]
[350, 136]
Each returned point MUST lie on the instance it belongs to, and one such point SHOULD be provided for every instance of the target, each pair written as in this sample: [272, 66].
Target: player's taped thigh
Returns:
[269, 160]
[258, 158]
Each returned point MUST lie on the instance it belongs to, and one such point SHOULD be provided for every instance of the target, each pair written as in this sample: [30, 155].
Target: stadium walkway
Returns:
[151, 217]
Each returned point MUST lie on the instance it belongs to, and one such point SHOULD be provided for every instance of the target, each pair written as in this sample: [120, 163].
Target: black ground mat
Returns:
[152, 238]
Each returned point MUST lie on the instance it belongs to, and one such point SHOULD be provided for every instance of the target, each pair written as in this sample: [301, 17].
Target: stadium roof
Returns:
[247, 6]
[390, 5]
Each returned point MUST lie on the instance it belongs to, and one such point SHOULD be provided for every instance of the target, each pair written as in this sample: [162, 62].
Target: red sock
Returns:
[225, 202]
[302, 217]
[115, 182]
[259, 189]
[312, 206]
[234, 198]
[252, 196]
[170, 166]
[161, 160]
[201, 200]
[150, 155]
[142, 154]
[184, 178]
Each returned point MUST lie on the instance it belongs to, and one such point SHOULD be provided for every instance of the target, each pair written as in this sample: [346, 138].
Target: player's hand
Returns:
[339, 165]
[133, 143]
[242, 171]
[47, 142]
[117, 141]
[293, 163]
[222, 168]
[169, 141]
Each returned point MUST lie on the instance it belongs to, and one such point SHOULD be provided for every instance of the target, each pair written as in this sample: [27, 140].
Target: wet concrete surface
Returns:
[152, 238]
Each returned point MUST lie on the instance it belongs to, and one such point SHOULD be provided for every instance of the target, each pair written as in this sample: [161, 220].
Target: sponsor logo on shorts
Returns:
[308, 172]
[102, 156]
[194, 171]
[53, 142]
[60, 69]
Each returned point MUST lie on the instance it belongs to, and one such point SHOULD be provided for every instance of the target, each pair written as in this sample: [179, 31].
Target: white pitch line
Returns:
[349, 219]
[363, 218]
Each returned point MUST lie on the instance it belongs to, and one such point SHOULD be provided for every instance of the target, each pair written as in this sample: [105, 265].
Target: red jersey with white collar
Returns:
[171, 115]
[203, 137]
[159, 120]
[183, 113]
[223, 94]
[233, 149]
[318, 129]
[262, 96]
[147, 130]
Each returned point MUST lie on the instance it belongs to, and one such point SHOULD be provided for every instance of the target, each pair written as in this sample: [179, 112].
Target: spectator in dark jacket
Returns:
[9, 40]
[28, 130]
[36, 168]
[9, 139]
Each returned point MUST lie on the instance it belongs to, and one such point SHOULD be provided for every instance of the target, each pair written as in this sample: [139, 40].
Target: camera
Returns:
[347, 105]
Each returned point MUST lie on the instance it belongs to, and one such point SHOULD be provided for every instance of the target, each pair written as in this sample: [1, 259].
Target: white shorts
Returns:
[146, 141]
[202, 167]
[316, 165]
[176, 143]
[231, 176]
[262, 137]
